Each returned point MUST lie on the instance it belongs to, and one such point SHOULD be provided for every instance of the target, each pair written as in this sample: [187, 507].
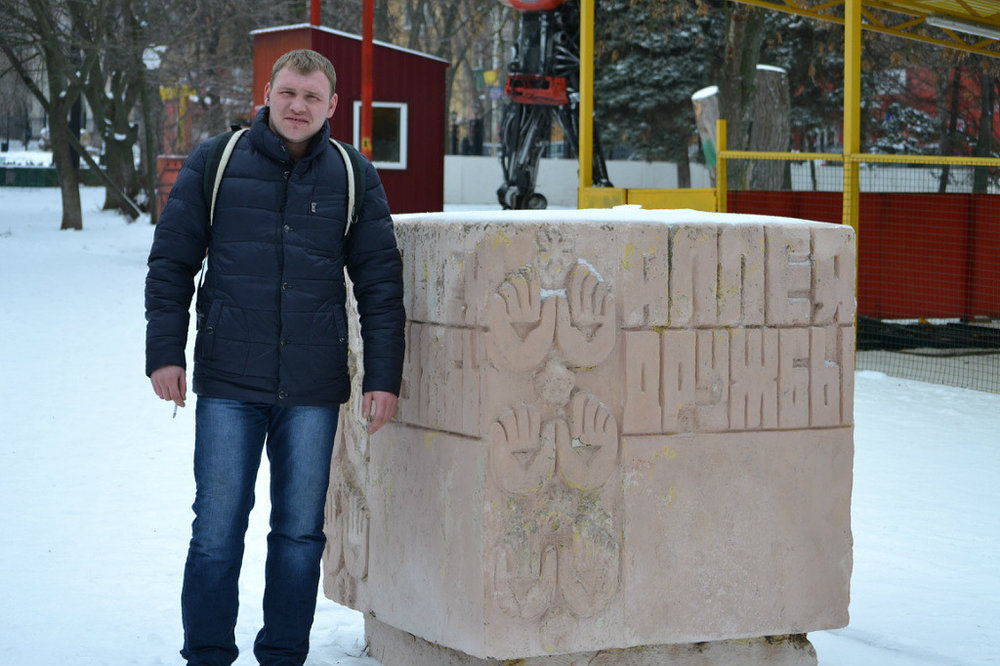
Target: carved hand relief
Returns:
[346, 554]
[334, 547]
[355, 537]
[589, 576]
[525, 452]
[589, 455]
[525, 579]
[586, 326]
[522, 455]
[559, 554]
[559, 446]
[524, 322]
[347, 520]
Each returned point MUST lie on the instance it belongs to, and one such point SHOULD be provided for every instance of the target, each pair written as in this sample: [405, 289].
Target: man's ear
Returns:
[267, 93]
[333, 106]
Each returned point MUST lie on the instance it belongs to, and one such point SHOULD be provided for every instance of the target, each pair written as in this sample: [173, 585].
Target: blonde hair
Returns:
[306, 61]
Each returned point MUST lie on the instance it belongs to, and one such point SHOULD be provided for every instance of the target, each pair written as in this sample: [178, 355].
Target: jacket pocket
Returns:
[204, 345]
[329, 207]
[224, 343]
[327, 356]
[340, 321]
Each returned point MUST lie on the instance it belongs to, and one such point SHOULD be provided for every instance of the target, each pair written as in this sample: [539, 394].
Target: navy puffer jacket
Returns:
[271, 317]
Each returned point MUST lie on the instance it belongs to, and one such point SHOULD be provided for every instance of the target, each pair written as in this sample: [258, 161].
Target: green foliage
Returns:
[904, 130]
[651, 56]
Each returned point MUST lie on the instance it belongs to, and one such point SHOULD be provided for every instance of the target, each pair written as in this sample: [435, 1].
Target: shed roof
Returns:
[967, 25]
[348, 35]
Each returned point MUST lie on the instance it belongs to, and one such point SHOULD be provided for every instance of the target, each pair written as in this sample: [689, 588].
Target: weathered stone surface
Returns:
[616, 429]
[394, 646]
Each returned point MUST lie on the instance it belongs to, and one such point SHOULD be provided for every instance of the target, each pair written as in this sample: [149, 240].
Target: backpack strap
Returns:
[222, 147]
[215, 166]
[354, 164]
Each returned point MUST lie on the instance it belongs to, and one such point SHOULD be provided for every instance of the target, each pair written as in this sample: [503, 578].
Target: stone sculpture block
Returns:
[616, 429]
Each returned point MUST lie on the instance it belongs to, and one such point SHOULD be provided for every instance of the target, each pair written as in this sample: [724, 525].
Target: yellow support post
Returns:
[852, 110]
[586, 152]
[720, 166]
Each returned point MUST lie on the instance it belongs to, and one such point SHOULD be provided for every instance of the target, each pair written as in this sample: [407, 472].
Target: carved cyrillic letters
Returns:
[442, 378]
[737, 379]
[788, 276]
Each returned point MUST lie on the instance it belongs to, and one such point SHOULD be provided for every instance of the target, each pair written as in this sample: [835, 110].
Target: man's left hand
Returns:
[385, 409]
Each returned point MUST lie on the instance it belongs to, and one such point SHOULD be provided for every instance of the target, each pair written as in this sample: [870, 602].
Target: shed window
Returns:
[389, 134]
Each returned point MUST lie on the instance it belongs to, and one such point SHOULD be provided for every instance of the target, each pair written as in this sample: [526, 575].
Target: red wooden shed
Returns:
[408, 137]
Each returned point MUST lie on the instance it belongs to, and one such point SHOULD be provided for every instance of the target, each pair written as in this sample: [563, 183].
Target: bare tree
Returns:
[467, 33]
[14, 106]
[113, 86]
[771, 130]
[38, 40]
[67, 49]
[738, 87]
[984, 139]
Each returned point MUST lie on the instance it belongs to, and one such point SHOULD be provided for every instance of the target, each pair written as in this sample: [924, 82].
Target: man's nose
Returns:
[298, 104]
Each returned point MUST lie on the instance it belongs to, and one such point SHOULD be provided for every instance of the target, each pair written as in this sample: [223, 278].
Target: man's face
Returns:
[300, 104]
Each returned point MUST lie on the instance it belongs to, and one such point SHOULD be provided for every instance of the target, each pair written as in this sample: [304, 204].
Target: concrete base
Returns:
[395, 647]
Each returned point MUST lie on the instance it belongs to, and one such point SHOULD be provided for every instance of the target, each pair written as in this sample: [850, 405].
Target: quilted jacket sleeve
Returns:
[179, 244]
[376, 268]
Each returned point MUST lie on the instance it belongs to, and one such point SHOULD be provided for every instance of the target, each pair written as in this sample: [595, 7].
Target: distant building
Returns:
[408, 128]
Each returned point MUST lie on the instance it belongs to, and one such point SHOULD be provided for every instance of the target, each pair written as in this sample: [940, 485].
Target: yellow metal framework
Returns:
[979, 22]
[968, 25]
[909, 19]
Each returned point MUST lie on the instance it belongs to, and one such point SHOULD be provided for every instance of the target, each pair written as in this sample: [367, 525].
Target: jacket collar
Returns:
[269, 143]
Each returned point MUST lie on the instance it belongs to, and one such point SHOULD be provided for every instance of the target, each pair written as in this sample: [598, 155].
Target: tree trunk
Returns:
[120, 167]
[150, 131]
[948, 139]
[684, 168]
[984, 143]
[66, 170]
[382, 25]
[744, 35]
[150, 117]
[771, 129]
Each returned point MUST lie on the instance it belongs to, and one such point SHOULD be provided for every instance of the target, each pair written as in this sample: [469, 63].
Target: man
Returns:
[271, 349]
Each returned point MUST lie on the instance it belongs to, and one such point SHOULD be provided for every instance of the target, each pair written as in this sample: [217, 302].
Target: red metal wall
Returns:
[400, 76]
[921, 255]
[167, 168]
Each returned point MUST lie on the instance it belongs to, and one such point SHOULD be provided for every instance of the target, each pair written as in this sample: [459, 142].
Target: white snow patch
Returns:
[26, 158]
[705, 92]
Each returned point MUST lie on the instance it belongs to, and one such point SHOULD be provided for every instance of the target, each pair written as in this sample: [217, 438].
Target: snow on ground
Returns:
[26, 158]
[95, 479]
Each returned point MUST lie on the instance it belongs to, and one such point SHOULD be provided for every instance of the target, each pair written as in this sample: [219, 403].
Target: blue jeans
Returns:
[229, 438]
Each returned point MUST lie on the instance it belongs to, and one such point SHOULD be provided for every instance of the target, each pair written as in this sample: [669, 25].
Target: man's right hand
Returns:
[170, 383]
